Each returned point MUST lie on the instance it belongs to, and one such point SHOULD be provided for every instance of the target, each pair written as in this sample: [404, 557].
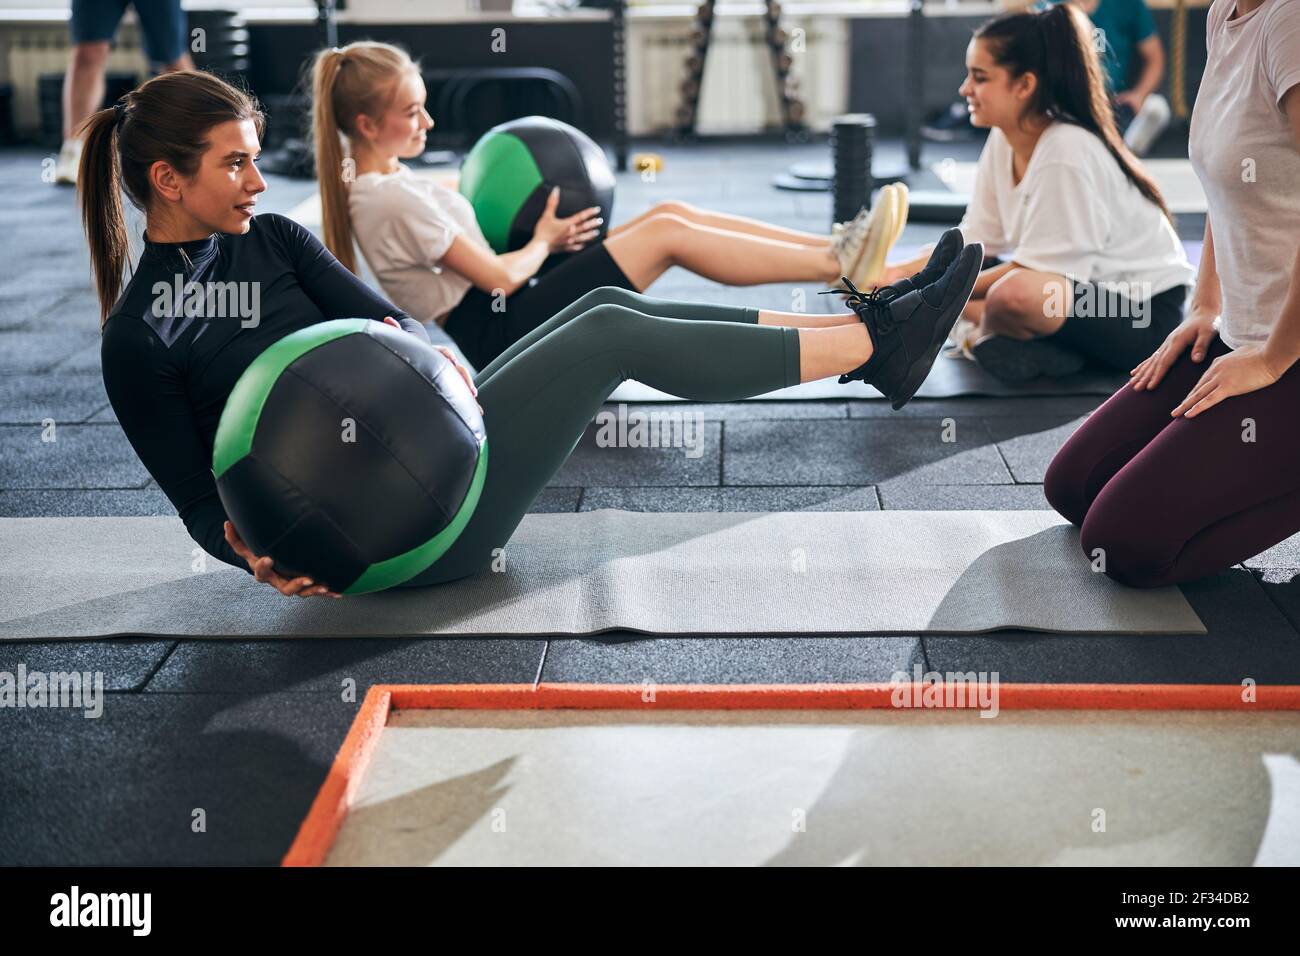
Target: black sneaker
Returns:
[945, 250]
[908, 330]
[1013, 360]
[949, 125]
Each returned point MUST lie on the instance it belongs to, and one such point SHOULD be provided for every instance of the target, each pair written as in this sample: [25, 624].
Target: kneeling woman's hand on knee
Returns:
[264, 570]
[1240, 371]
[1196, 331]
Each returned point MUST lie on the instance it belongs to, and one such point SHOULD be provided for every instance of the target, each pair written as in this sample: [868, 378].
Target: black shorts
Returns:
[1116, 332]
[483, 334]
[162, 24]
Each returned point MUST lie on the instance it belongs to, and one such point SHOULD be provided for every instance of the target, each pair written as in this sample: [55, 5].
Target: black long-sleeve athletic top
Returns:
[169, 365]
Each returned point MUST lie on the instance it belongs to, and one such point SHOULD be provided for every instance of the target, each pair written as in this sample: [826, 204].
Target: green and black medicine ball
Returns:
[350, 452]
[513, 167]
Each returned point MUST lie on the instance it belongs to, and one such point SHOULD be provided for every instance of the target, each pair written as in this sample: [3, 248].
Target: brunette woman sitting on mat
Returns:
[1093, 268]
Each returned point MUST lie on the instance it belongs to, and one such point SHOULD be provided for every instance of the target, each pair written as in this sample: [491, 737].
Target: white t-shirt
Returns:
[1244, 153]
[1074, 213]
[404, 225]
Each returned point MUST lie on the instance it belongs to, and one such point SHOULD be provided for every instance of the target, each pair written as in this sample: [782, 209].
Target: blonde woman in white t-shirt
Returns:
[429, 255]
[1090, 266]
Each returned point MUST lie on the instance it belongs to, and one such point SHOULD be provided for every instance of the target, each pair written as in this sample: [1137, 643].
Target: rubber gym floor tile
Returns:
[324, 665]
[124, 664]
[899, 496]
[84, 502]
[81, 362]
[38, 350]
[731, 498]
[31, 399]
[105, 414]
[28, 309]
[626, 466]
[738, 411]
[81, 456]
[133, 785]
[980, 406]
[857, 452]
[632, 659]
[553, 500]
[1030, 442]
[1247, 637]
[1282, 585]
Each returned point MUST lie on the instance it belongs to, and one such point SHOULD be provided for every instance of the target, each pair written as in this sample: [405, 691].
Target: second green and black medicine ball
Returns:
[350, 452]
[513, 167]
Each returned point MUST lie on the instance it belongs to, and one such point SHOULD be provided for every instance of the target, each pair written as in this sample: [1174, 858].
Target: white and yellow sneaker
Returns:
[879, 231]
[900, 194]
[961, 340]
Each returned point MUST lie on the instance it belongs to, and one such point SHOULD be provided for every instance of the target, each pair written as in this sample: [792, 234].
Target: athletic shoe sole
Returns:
[900, 194]
[950, 312]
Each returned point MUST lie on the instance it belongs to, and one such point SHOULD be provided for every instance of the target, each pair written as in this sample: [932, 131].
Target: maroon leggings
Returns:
[1174, 499]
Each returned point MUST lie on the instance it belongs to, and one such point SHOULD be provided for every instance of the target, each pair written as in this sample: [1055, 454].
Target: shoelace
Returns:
[848, 233]
[874, 302]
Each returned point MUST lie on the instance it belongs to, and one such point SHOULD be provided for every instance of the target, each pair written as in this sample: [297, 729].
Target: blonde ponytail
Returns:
[359, 78]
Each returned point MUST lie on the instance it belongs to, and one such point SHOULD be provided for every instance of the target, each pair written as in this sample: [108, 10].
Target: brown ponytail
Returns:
[167, 119]
[358, 78]
[1056, 46]
[102, 215]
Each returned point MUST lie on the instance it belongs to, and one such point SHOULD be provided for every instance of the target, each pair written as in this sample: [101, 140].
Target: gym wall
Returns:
[881, 70]
[580, 49]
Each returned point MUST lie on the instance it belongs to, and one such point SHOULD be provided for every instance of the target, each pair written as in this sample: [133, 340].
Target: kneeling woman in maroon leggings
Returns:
[1190, 469]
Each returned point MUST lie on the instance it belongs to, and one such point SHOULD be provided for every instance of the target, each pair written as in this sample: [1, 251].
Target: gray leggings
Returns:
[541, 393]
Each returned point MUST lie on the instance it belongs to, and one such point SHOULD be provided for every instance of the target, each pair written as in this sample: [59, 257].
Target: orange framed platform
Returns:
[329, 809]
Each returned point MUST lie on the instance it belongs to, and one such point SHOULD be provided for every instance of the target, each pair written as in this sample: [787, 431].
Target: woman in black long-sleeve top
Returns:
[217, 286]
[197, 311]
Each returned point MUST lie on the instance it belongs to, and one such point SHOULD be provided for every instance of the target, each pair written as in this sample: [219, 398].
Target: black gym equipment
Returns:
[351, 452]
[792, 107]
[858, 146]
[49, 94]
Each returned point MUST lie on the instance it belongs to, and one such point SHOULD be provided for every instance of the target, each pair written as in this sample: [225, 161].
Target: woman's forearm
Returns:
[1153, 71]
[522, 264]
[1283, 345]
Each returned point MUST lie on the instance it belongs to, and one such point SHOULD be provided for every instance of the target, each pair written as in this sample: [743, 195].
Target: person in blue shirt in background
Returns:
[1133, 57]
[1126, 40]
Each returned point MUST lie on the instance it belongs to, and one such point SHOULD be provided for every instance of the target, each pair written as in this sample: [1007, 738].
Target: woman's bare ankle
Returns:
[832, 351]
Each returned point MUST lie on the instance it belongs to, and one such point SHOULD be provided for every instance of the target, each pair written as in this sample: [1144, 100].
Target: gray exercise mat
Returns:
[950, 378]
[891, 572]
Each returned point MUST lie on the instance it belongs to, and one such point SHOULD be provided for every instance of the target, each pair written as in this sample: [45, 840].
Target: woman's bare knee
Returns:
[1006, 310]
[674, 207]
[604, 295]
[91, 54]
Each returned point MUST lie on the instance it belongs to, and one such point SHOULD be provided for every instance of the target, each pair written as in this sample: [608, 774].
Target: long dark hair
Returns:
[167, 119]
[1056, 46]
